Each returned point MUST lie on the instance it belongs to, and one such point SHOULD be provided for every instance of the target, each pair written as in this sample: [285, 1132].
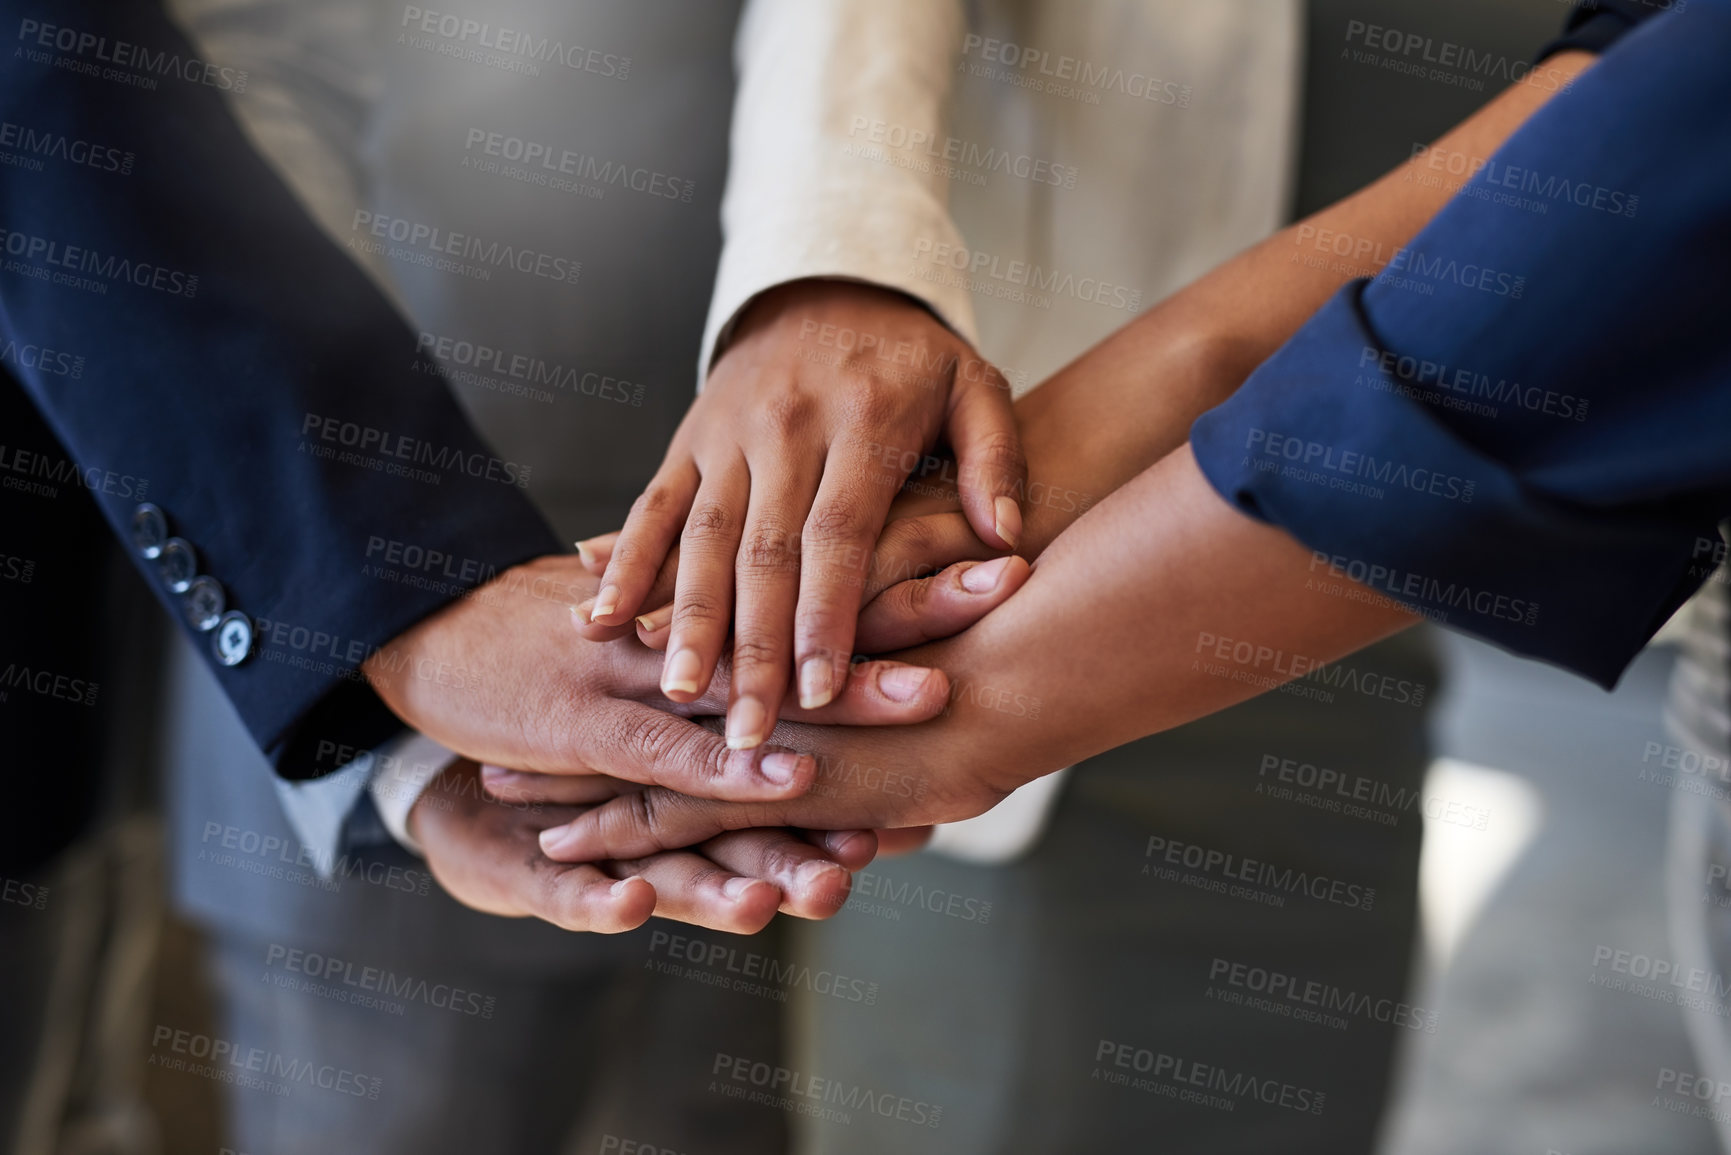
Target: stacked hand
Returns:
[777, 488]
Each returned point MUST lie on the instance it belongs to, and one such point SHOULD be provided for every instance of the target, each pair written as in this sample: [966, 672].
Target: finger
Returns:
[654, 627]
[650, 821]
[580, 897]
[835, 555]
[639, 743]
[703, 590]
[528, 788]
[881, 694]
[810, 882]
[595, 552]
[993, 470]
[642, 545]
[903, 840]
[912, 612]
[661, 593]
[766, 574]
[876, 693]
[919, 547]
[690, 887]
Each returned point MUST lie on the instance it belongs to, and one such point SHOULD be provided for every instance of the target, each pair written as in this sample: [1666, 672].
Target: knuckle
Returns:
[1001, 451]
[709, 523]
[753, 652]
[839, 517]
[658, 500]
[699, 607]
[876, 406]
[769, 551]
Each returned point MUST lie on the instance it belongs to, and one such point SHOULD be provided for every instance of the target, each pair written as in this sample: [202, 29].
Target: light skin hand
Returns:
[777, 484]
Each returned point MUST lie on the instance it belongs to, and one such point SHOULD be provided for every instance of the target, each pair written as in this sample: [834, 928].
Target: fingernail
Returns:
[984, 578]
[680, 676]
[1007, 519]
[556, 838]
[780, 767]
[608, 600]
[735, 888]
[656, 620]
[745, 724]
[583, 612]
[903, 683]
[619, 888]
[806, 878]
[816, 683]
[836, 841]
[585, 553]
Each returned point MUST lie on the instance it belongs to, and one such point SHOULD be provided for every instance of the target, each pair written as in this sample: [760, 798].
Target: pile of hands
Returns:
[676, 721]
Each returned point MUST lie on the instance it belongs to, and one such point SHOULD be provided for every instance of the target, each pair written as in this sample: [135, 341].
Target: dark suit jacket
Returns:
[191, 339]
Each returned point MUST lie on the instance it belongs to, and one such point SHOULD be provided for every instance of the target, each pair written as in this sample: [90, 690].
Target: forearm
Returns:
[1161, 605]
[1130, 400]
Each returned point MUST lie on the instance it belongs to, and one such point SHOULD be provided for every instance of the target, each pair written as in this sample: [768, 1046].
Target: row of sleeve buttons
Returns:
[203, 602]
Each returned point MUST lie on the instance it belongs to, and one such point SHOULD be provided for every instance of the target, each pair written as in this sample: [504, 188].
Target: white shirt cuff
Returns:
[402, 769]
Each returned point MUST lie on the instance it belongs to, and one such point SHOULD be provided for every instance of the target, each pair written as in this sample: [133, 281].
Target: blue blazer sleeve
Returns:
[1522, 427]
[201, 345]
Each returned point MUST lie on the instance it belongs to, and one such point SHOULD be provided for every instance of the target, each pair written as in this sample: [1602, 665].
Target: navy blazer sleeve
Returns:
[1522, 427]
[213, 352]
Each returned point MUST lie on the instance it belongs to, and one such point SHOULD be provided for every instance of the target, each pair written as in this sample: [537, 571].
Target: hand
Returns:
[484, 853]
[909, 599]
[779, 479]
[499, 677]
